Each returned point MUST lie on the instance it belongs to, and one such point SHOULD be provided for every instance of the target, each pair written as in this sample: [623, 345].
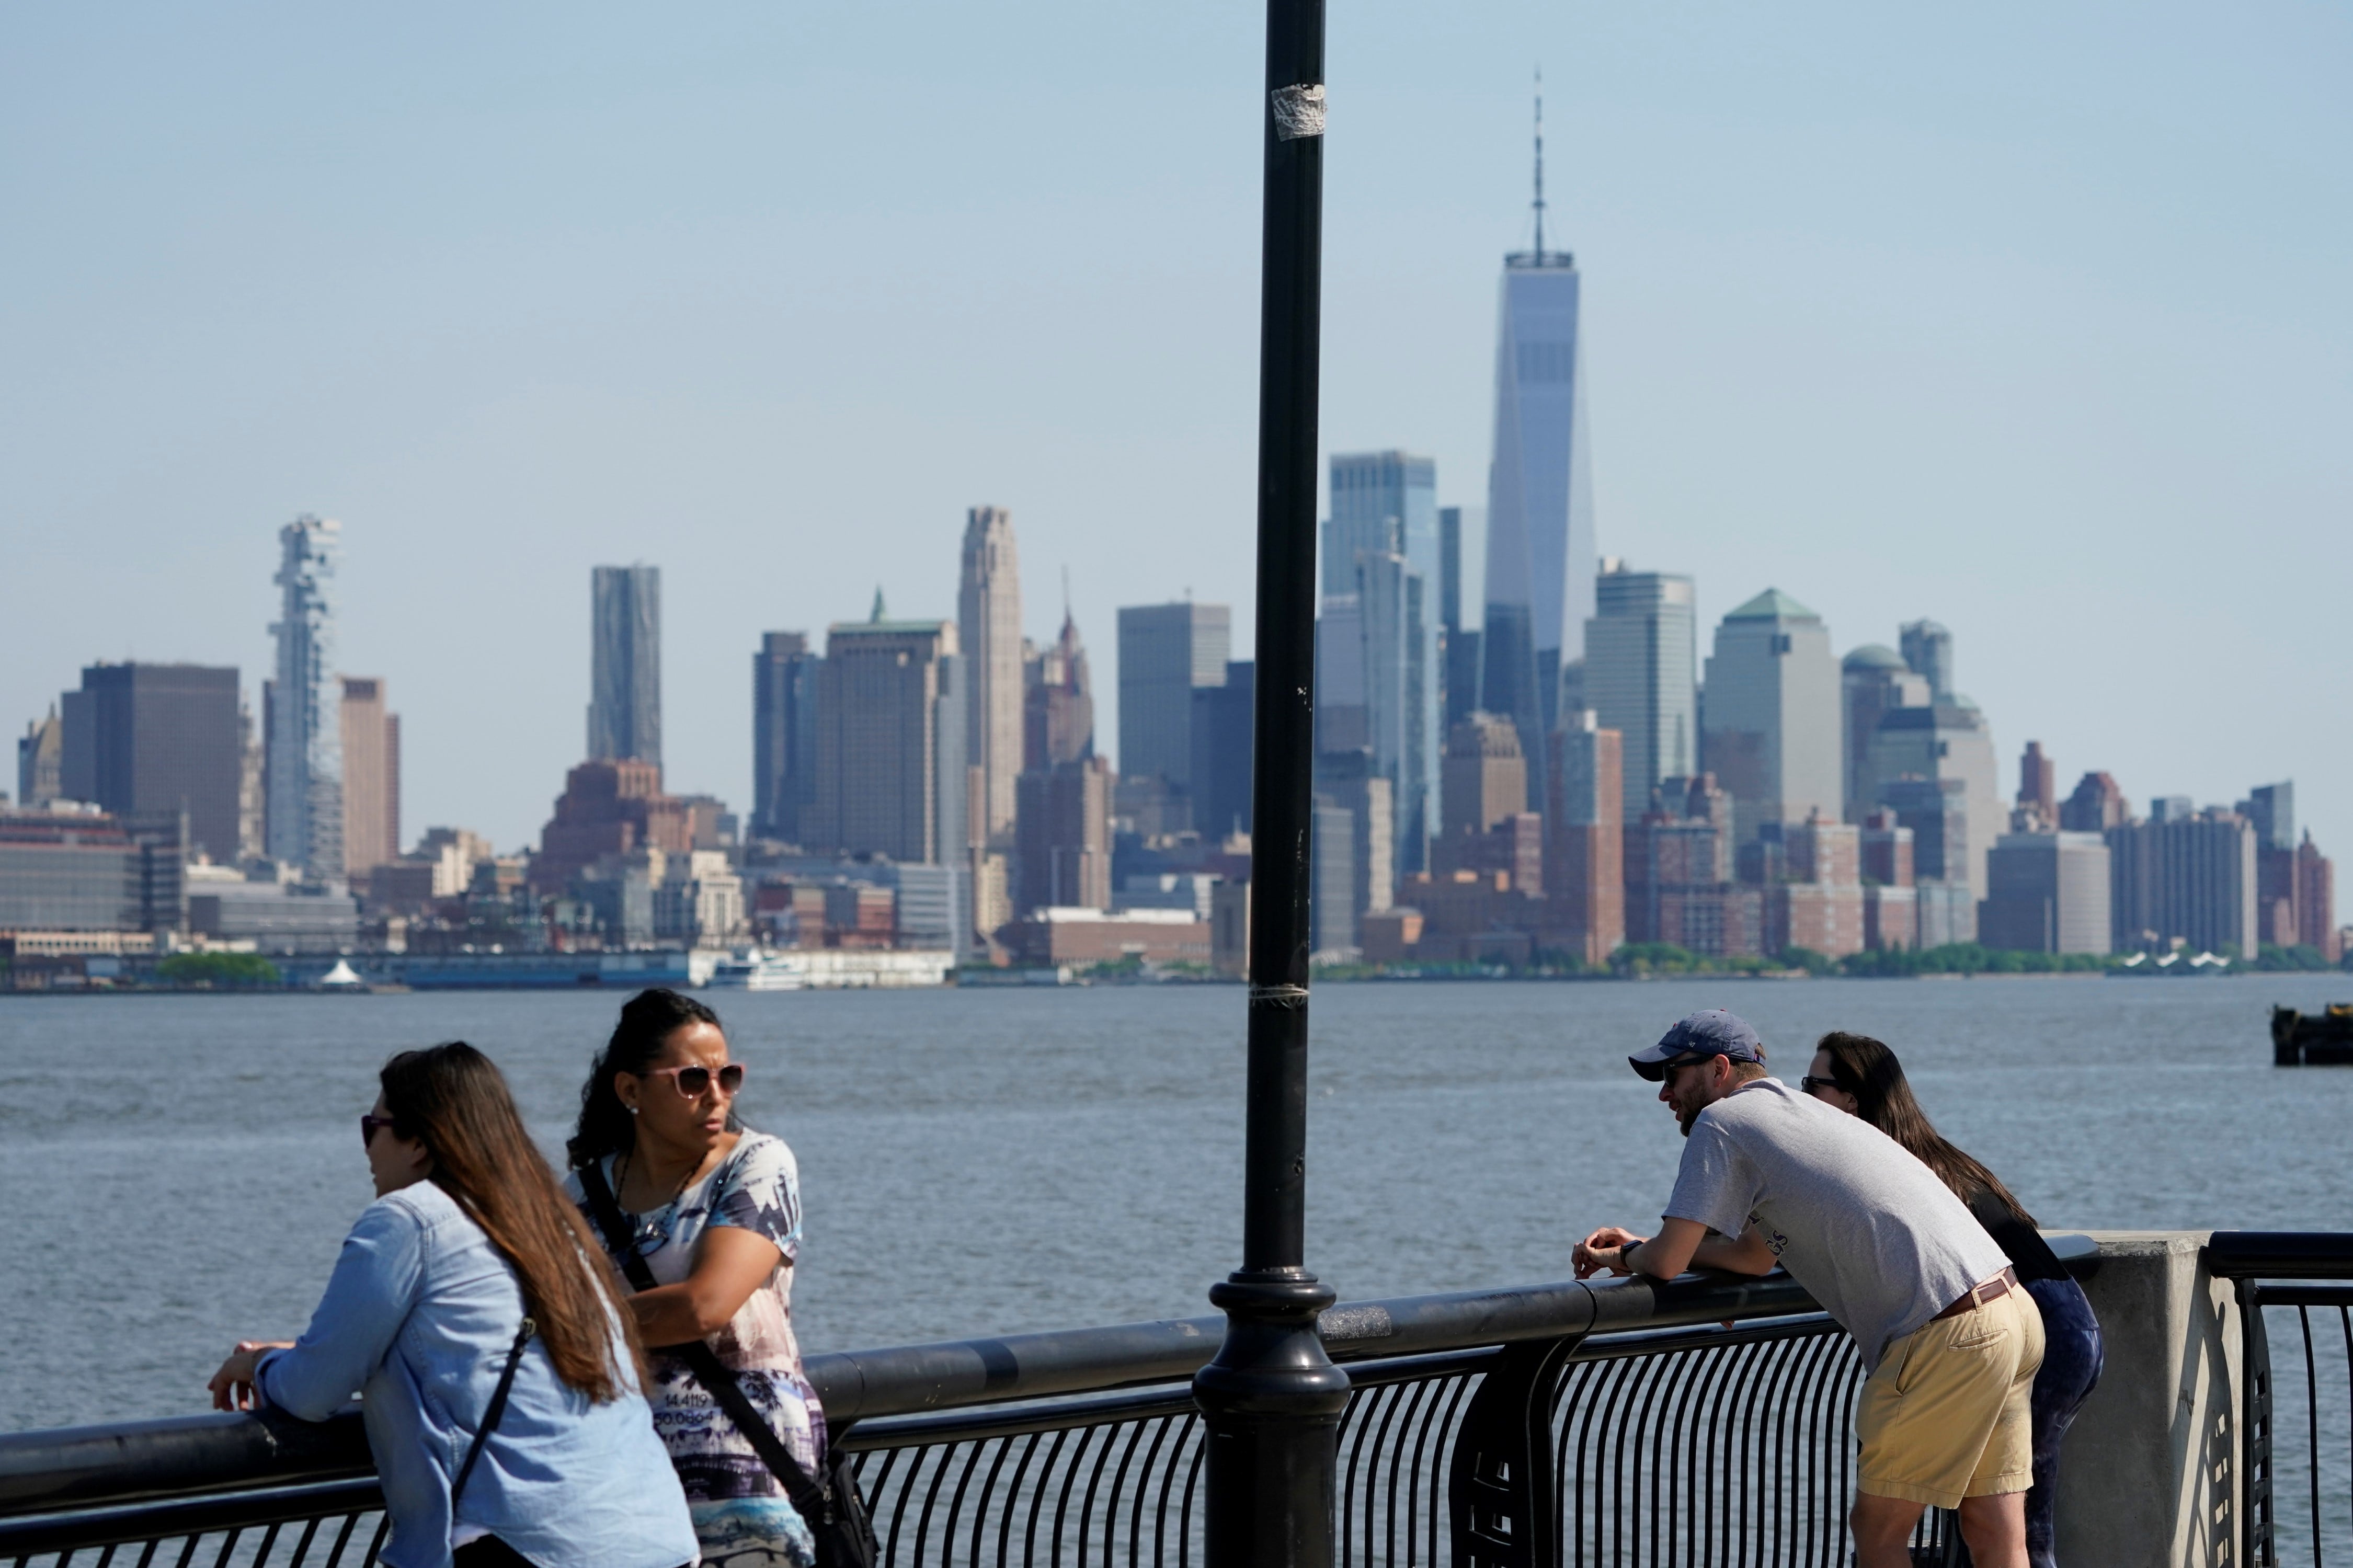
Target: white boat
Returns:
[757, 972]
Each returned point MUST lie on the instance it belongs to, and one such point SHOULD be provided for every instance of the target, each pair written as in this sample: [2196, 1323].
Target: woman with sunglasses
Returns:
[712, 1210]
[1862, 1077]
[499, 1380]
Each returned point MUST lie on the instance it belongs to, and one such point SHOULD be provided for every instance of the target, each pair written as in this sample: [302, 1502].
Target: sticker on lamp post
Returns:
[1298, 111]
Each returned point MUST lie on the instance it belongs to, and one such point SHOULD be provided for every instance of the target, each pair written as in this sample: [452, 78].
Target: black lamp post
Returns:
[1271, 1400]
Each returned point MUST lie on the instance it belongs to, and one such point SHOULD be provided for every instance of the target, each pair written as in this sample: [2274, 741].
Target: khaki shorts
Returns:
[1948, 1414]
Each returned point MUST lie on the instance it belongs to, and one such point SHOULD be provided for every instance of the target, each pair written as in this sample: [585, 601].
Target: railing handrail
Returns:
[2280, 1255]
[88, 1467]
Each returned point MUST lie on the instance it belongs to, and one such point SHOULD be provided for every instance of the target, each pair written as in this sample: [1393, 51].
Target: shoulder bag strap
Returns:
[498, 1408]
[811, 1495]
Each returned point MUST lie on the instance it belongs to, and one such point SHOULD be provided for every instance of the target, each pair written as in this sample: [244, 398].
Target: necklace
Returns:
[621, 1177]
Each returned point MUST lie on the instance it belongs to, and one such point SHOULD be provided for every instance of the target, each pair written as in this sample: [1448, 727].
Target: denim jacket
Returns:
[418, 1318]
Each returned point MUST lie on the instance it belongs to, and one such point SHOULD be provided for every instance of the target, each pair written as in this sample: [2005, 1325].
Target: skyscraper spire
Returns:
[1540, 200]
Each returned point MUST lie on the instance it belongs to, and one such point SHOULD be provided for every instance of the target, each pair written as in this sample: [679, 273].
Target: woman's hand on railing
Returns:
[232, 1385]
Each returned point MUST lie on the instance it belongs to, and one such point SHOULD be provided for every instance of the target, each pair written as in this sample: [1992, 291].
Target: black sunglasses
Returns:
[368, 1125]
[1811, 1083]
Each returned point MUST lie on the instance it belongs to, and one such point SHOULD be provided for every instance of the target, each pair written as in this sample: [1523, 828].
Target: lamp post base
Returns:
[1271, 1402]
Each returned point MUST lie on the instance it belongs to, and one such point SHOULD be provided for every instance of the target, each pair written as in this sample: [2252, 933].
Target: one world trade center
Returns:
[1540, 553]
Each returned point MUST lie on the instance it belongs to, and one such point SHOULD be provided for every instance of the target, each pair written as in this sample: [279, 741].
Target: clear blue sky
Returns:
[2031, 319]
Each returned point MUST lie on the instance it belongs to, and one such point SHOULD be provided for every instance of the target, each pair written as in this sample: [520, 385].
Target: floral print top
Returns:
[742, 1516]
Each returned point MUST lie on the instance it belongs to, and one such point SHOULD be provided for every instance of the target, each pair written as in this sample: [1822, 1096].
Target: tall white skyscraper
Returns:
[625, 665]
[1540, 549]
[306, 745]
[1641, 652]
[989, 622]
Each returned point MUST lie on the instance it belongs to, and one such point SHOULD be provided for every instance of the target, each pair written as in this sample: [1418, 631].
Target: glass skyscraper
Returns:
[1641, 677]
[305, 785]
[1382, 547]
[1540, 549]
[625, 666]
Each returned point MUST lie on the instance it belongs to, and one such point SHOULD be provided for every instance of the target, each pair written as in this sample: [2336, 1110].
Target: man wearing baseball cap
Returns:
[1770, 1174]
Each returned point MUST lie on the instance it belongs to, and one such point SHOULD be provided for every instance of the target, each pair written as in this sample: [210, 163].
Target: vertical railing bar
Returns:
[228, 1544]
[1012, 1504]
[2344, 1323]
[1705, 1389]
[882, 1486]
[1773, 1520]
[1736, 1516]
[1611, 1441]
[1143, 1485]
[1192, 1480]
[1353, 1429]
[1111, 1503]
[1070, 1479]
[940, 1455]
[1439, 1458]
[1633, 1443]
[1820, 1368]
[375, 1541]
[1094, 1485]
[949, 1527]
[989, 1498]
[1038, 1499]
[261, 1555]
[1591, 1437]
[1806, 1433]
[335, 1552]
[1681, 1372]
[909, 1474]
[1850, 1391]
[2312, 1428]
[1730, 1360]
[1400, 1470]
[1620, 1376]
[1393, 1400]
[1168, 1484]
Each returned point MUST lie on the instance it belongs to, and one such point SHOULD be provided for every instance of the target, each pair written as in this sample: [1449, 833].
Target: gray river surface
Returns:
[181, 1169]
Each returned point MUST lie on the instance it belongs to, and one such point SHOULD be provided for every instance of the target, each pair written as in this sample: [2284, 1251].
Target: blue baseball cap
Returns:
[1711, 1033]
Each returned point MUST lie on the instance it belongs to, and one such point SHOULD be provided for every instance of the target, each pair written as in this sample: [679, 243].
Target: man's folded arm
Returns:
[1683, 1243]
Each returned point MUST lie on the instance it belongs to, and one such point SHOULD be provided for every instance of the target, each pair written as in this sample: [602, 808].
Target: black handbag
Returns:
[828, 1501]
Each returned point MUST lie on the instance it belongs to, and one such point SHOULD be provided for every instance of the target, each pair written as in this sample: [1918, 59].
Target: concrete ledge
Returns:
[2149, 1477]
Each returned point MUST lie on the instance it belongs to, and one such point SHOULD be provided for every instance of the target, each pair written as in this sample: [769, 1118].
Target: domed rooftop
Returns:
[1873, 655]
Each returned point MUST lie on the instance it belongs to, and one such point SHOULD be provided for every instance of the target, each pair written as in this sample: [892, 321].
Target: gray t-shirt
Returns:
[1868, 1229]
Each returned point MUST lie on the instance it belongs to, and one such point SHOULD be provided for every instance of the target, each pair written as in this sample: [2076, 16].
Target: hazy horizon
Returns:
[2031, 324]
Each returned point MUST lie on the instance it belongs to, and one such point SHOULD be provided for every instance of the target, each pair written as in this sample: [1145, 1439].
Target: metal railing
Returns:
[2295, 1443]
[1617, 1423]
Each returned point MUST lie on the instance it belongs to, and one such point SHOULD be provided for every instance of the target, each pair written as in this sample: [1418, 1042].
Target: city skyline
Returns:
[1796, 386]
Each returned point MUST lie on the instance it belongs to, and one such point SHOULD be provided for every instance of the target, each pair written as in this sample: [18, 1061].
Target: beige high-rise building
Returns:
[1485, 775]
[988, 623]
[371, 777]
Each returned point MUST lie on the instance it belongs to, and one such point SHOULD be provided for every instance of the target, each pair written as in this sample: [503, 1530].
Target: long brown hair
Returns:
[1868, 1071]
[453, 1099]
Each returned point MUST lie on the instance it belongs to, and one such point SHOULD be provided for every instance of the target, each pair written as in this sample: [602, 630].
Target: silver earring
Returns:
[633, 1110]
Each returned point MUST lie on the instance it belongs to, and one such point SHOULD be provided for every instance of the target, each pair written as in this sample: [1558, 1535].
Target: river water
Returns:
[179, 1170]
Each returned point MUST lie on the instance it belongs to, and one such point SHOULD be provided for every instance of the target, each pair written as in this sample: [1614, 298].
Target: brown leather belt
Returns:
[1993, 1290]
